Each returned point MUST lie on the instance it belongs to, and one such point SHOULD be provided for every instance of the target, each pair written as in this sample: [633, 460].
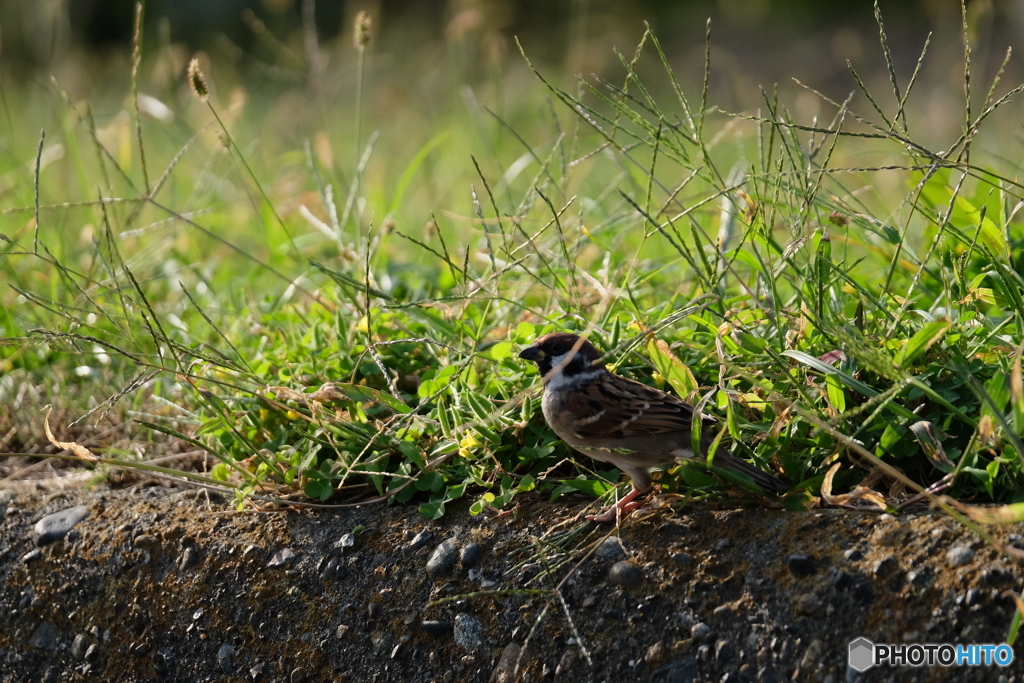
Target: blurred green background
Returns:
[756, 41]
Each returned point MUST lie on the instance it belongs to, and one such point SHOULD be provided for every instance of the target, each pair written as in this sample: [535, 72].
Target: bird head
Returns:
[562, 353]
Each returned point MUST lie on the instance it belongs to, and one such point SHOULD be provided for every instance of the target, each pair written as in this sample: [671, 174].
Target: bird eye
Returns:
[559, 348]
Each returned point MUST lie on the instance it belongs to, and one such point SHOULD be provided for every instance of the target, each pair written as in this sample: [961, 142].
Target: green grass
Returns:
[834, 290]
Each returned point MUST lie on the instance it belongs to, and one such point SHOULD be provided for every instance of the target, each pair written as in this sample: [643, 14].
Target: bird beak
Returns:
[532, 353]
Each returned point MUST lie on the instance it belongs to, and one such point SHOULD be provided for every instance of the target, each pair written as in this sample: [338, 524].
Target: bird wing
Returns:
[619, 408]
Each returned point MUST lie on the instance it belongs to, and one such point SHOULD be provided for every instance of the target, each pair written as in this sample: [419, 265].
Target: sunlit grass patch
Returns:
[345, 330]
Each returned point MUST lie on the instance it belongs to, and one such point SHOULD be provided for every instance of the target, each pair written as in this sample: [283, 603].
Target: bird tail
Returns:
[769, 483]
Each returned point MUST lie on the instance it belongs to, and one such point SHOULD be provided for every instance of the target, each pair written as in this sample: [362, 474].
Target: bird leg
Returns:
[626, 505]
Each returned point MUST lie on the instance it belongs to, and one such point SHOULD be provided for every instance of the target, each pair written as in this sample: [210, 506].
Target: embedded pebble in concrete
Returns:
[885, 566]
[31, 556]
[625, 574]
[700, 631]
[436, 629]
[45, 636]
[959, 555]
[54, 527]
[470, 555]
[79, 646]
[801, 565]
[469, 632]
[442, 559]
[189, 558]
[146, 541]
[420, 540]
[282, 558]
[610, 549]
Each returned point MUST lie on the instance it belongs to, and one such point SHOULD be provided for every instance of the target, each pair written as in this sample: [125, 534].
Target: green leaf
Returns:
[590, 486]
[208, 427]
[525, 332]
[836, 395]
[923, 339]
[430, 481]
[998, 389]
[220, 472]
[435, 382]
[696, 478]
[318, 488]
[432, 510]
[501, 350]
[363, 394]
[671, 368]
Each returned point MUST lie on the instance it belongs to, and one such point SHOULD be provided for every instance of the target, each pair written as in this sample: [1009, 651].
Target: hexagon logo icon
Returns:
[862, 654]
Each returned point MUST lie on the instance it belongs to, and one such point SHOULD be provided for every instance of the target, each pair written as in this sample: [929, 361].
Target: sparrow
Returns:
[619, 421]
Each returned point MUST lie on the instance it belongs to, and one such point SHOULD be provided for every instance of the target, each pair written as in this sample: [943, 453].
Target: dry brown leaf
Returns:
[82, 452]
[860, 498]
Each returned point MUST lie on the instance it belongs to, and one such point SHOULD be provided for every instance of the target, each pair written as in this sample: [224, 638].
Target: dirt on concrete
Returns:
[166, 584]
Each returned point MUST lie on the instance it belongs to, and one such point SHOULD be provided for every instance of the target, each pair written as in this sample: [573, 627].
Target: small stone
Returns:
[723, 651]
[470, 555]
[801, 565]
[146, 541]
[813, 654]
[45, 636]
[700, 631]
[852, 554]
[330, 570]
[681, 558]
[722, 544]
[840, 579]
[374, 610]
[567, 663]
[625, 574]
[341, 630]
[92, 652]
[505, 670]
[679, 670]
[610, 549]
[436, 629]
[226, 659]
[298, 675]
[885, 567]
[722, 611]
[442, 559]
[163, 661]
[79, 646]
[655, 654]
[31, 556]
[959, 555]
[420, 540]
[54, 527]
[282, 558]
[469, 632]
[189, 557]
[346, 541]
[808, 603]
[973, 597]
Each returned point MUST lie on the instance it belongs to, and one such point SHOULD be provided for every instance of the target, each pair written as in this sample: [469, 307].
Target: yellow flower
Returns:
[469, 441]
